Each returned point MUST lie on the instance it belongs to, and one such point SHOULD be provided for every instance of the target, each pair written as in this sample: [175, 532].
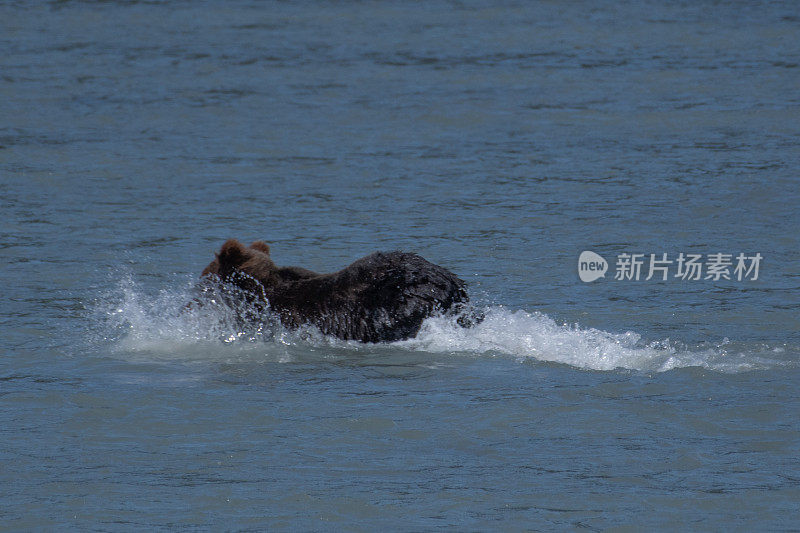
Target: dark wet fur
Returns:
[382, 297]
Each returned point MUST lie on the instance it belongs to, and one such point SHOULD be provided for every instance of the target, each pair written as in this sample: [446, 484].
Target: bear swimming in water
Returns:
[382, 297]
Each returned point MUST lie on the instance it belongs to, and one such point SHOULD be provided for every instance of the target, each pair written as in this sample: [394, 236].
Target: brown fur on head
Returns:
[261, 246]
[233, 256]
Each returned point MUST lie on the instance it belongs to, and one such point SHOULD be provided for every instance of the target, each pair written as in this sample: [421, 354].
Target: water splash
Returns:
[536, 336]
[162, 326]
[133, 321]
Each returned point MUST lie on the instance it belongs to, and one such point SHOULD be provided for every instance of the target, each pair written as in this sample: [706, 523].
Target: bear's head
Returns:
[235, 259]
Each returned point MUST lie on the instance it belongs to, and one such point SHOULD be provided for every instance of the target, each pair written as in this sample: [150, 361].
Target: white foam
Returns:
[161, 326]
[536, 336]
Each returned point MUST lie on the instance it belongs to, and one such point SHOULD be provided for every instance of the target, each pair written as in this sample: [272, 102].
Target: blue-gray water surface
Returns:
[498, 139]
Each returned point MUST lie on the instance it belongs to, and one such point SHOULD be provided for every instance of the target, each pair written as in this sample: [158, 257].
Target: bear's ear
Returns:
[261, 246]
[231, 255]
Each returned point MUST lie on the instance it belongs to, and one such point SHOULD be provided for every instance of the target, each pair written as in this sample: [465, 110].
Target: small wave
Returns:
[161, 326]
[536, 336]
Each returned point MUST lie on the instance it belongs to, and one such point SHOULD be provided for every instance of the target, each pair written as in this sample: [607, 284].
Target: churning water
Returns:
[498, 139]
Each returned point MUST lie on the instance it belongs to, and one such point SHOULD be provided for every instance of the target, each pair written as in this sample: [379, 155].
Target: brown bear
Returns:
[382, 297]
